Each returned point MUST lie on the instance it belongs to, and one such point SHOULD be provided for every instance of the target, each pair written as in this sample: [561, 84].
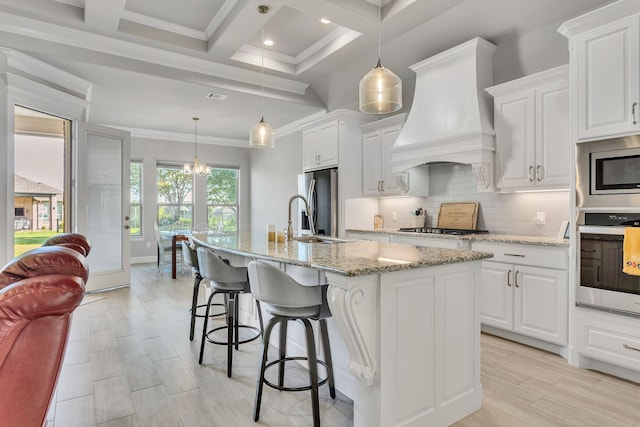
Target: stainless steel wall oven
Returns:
[602, 283]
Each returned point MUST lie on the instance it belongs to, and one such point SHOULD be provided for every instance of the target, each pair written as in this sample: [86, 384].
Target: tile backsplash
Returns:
[508, 213]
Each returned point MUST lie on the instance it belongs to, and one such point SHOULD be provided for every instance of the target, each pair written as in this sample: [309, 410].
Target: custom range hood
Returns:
[451, 119]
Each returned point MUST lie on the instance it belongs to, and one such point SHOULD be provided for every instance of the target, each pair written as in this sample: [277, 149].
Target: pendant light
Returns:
[380, 91]
[262, 135]
[196, 168]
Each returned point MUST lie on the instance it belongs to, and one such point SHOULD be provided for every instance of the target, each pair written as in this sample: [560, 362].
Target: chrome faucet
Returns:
[307, 211]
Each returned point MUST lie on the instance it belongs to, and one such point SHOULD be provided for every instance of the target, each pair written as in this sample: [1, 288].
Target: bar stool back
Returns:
[286, 300]
[231, 281]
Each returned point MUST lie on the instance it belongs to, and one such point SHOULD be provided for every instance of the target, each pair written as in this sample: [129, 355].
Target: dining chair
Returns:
[164, 250]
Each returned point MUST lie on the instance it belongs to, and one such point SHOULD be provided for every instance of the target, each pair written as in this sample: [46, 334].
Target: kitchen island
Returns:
[409, 317]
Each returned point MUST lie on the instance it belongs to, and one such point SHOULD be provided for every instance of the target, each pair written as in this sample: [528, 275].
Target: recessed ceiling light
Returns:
[325, 21]
[216, 96]
[268, 42]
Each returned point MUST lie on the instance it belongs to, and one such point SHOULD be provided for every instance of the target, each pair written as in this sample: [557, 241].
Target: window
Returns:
[222, 199]
[135, 196]
[175, 200]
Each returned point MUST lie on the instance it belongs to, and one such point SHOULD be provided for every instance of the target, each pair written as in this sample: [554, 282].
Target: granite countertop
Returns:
[489, 237]
[350, 258]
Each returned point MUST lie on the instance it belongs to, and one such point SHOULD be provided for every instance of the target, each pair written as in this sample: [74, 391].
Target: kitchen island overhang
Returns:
[409, 317]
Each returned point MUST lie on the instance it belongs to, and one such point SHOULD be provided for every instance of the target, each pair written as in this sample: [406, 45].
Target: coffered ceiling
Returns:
[153, 64]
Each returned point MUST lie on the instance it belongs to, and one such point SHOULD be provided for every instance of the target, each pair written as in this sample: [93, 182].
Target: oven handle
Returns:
[601, 229]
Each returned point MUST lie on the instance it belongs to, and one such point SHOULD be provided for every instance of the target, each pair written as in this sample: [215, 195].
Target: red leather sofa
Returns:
[38, 292]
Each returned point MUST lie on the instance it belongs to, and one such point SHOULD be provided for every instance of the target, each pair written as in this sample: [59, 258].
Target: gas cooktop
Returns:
[434, 230]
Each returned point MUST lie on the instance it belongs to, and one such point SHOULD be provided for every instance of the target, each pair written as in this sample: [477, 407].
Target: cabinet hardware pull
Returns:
[516, 279]
[598, 274]
[379, 186]
[126, 227]
[587, 250]
[630, 347]
[530, 173]
[509, 278]
[539, 173]
[382, 185]
[634, 107]
[518, 255]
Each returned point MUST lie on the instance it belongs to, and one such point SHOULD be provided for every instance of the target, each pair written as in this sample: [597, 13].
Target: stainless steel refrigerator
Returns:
[321, 190]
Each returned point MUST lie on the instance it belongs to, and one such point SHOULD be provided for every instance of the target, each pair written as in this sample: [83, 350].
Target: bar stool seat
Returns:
[231, 281]
[287, 300]
[190, 257]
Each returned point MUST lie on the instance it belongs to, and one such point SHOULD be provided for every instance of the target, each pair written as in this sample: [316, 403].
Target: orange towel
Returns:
[631, 251]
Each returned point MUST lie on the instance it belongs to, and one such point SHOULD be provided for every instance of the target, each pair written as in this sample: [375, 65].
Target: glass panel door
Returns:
[103, 203]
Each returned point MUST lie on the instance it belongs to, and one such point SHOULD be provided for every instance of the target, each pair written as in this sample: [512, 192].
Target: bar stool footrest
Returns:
[210, 314]
[301, 388]
[234, 342]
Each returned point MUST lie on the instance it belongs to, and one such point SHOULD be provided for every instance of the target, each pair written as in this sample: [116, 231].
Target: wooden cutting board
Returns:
[459, 216]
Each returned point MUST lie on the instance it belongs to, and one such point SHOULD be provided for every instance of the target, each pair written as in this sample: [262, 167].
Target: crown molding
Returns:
[182, 137]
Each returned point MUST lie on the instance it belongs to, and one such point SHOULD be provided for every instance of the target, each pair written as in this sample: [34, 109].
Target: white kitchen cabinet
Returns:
[604, 48]
[377, 140]
[430, 242]
[525, 290]
[533, 142]
[320, 146]
[609, 338]
[608, 84]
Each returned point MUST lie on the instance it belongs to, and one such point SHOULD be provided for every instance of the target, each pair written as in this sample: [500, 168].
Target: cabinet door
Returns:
[496, 294]
[553, 139]
[540, 303]
[320, 146]
[371, 163]
[515, 140]
[388, 136]
[608, 61]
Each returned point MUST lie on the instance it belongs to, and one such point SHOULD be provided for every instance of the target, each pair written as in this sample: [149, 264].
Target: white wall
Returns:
[153, 151]
[508, 213]
[274, 179]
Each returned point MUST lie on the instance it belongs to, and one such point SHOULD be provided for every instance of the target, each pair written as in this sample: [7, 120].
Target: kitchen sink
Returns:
[320, 239]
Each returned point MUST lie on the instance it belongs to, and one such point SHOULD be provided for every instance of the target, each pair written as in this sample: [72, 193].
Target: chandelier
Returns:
[196, 168]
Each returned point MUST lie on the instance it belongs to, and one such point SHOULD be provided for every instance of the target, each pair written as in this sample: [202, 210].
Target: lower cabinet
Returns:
[609, 337]
[530, 300]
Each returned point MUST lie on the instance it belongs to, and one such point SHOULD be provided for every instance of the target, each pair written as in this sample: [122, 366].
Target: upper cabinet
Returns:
[605, 64]
[377, 139]
[533, 138]
[320, 146]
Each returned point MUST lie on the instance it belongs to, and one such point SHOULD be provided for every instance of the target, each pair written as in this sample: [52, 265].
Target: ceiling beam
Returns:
[103, 15]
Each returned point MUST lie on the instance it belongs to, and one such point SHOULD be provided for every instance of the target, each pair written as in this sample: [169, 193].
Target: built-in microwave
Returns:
[608, 173]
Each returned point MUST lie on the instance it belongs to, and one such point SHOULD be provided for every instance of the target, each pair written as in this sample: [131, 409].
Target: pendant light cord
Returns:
[379, 28]
[195, 142]
[262, 71]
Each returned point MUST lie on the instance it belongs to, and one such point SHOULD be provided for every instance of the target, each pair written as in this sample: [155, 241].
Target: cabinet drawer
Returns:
[605, 340]
[540, 256]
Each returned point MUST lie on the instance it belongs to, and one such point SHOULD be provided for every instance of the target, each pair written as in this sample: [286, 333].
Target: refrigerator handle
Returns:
[334, 202]
[310, 196]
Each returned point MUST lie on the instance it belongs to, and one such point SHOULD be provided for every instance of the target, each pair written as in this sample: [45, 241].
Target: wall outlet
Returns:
[148, 244]
[540, 218]
[394, 215]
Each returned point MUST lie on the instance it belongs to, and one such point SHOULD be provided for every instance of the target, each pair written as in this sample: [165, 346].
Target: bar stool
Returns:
[190, 257]
[286, 300]
[231, 281]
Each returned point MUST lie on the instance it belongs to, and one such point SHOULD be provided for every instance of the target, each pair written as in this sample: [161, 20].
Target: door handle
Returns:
[530, 173]
[126, 227]
[509, 278]
[516, 279]
[634, 107]
[126, 218]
